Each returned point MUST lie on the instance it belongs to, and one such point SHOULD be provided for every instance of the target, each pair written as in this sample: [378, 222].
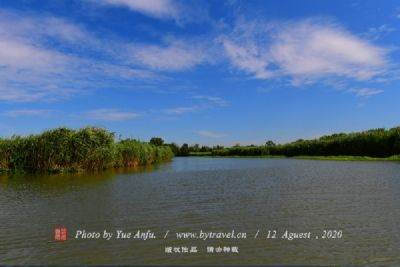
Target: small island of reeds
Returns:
[69, 150]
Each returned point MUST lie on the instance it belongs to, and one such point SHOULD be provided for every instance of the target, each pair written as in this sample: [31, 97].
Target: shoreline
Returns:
[332, 158]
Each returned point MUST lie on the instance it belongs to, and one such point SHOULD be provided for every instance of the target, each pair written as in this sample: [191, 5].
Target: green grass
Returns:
[374, 143]
[200, 154]
[68, 150]
[336, 158]
[349, 158]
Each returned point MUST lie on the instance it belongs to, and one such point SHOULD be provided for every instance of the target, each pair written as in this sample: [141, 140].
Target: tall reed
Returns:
[65, 149]
[378, 143]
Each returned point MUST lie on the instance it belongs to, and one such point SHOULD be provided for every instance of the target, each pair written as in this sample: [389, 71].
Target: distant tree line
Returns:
[186, 150]
[378, 143]
[372, 143]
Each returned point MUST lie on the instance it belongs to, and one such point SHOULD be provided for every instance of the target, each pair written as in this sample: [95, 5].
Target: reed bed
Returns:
[375, 143]
[64, 149]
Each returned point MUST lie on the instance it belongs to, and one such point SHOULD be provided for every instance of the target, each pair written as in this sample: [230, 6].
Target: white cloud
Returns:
[23, 42]
[202, 103]
[110, 115]
[27, 112]
[181, 110]
[28, 28]
[23, 56]
[210, 134]
[33, 70]
[153, 8]
[28, 73]
[48, 58]
[175, 56]
[305, 50]
[44, 58]
[366, 92]
[375, 33]
[248, 58]
[312, 50]
[215, 100]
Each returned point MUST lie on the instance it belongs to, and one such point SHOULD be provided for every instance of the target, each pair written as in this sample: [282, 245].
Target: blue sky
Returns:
[200, 72]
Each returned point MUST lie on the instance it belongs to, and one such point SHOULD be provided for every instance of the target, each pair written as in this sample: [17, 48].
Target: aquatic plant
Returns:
[65, 149]
[379, 143]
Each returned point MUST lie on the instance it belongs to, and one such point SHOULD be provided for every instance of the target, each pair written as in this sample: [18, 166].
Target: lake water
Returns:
[247, 195]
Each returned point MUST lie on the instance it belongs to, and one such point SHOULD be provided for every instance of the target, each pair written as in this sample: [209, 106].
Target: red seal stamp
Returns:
[60, 233]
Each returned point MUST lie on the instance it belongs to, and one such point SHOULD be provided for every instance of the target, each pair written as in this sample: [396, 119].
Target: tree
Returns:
[217, 147]
[175, 148]
[194, 148]
[269, 143]
[157, 141]
[184, 150]
[205, 149]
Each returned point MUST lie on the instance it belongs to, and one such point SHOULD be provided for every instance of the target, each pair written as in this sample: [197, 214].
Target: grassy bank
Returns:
[375, 143]
[64, 149]
[338, 158]
[349, 158]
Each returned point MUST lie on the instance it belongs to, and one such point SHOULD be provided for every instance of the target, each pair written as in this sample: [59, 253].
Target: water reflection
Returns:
[63, 182]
